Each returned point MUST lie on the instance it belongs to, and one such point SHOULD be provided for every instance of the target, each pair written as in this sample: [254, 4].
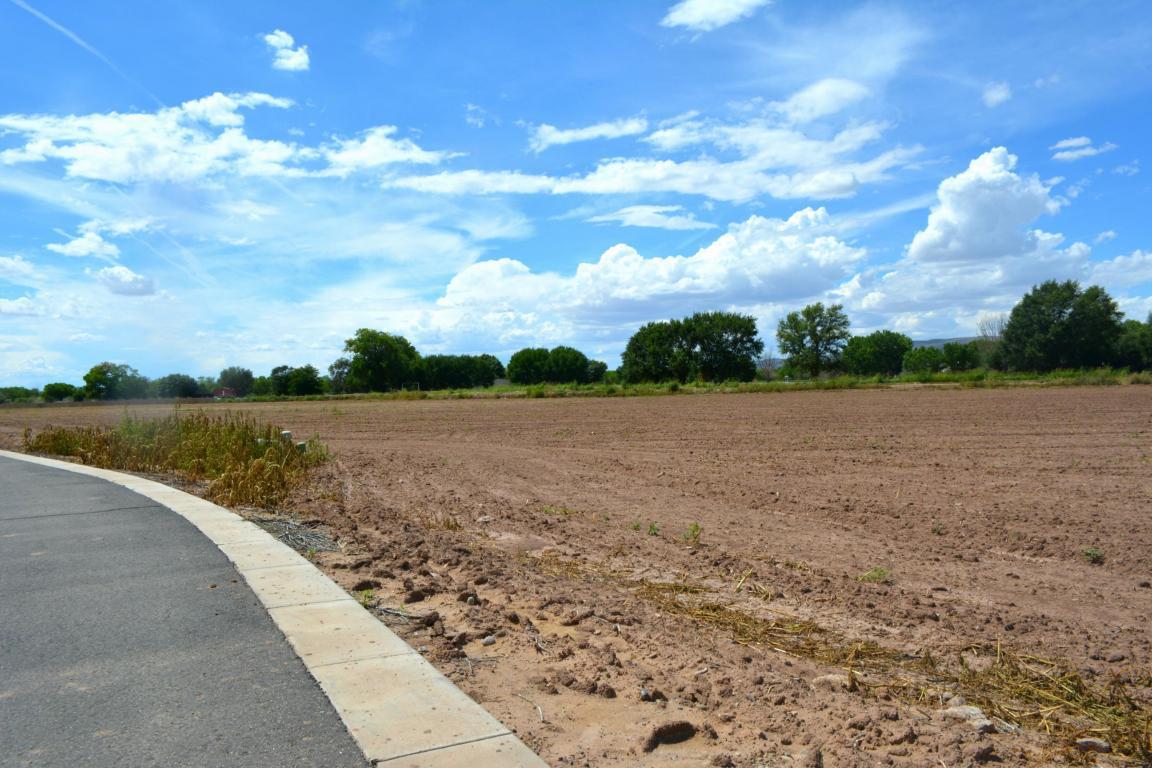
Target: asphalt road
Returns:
[127, 639]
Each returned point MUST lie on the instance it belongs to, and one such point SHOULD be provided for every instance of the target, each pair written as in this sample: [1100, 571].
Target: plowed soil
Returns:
[592, 569]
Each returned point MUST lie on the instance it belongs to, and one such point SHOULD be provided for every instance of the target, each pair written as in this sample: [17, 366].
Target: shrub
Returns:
[245, 463]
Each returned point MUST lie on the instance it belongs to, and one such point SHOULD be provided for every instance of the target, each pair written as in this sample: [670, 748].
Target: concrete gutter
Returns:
[400, 710]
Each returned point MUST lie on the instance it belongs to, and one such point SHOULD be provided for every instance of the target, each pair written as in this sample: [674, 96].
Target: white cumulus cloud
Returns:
[199, 138]
[544, 136]
[123, 281]
[376, 148]
[756, 261]
[88, 244]
[707, 15]
[16, 268]
[285, 55]
[978, 252]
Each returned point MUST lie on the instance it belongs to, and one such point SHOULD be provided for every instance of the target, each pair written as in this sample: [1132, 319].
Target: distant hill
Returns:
[938, 343]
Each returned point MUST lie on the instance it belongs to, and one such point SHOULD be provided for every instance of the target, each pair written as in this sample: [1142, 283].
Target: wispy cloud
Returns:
[544, 136]
[707, 15]
[655, 216]
[1077, 148]
[996, 94]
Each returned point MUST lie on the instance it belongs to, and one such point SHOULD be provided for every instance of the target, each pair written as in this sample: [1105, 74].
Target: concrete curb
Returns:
[400, 710]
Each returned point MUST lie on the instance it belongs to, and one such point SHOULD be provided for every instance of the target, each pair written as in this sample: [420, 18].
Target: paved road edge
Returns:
[400, 710]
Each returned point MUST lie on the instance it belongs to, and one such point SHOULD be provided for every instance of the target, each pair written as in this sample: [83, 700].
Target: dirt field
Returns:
[538, 544]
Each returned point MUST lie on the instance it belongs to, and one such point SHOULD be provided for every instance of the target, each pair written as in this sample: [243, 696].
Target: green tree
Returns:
[724, 345]
[57, 391]
[112, 381]
[528, 366]
[379, 362]
[490, 369]
[176, 385]
[597, 370]
[239, 380]
[1058, 325]
[814, 338]
[658, 351]
[18, 394]
[1133, 348]
[961, 357]
[923, 360]
[878, 353]
[566, 365]
[289, 381]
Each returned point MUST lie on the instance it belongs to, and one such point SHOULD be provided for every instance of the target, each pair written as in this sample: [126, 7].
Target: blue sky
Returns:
[185, 186]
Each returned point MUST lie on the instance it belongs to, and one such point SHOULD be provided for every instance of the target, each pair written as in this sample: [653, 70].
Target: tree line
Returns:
[1055, 325]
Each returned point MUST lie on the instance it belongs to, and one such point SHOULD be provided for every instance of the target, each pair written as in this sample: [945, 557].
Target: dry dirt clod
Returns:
[668, 733]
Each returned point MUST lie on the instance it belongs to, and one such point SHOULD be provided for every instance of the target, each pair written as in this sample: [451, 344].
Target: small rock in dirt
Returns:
[962, 713]
[464, 596]
[652, 694]
[429, 619]
[512, 617]
[606, 691]
[414, 596]
[472, 600]
[484, 519]
[1093, 745]
[668, 733]
[859, 723]
[488, 640]
[724, 761]
[1146, 585]
[1116, 658]
[480, 580]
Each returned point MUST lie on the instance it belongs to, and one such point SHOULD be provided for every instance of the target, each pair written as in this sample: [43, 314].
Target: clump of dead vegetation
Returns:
[242, 461]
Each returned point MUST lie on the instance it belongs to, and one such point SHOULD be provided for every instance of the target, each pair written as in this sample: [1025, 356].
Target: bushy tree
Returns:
[289, 381]
[176, 385]
[814, 338]
[57, 391]
[379, 362]
[961, 357]
[597, 371]
[491, 369]
[239, 380]
[528, 366]
[1059, 325]
[113, 381]
[18, 394]
[459, 371]
[923, 360]
[725, 345]
[1133, 348]
[566, 366]
[878, 353]
[713, 346]
[658, 351]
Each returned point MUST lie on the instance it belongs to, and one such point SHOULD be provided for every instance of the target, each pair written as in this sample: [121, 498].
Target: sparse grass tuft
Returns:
[692, 535]
[1094, 556]
[876, 575]
[245, 463]
[653, 529]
